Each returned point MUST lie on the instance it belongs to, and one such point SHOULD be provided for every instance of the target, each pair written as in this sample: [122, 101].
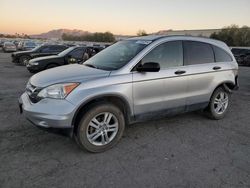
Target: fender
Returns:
[129, 115]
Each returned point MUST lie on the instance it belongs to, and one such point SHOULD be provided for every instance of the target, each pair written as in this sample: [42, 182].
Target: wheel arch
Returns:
[115, 99]
[24, 55]
[229, 85]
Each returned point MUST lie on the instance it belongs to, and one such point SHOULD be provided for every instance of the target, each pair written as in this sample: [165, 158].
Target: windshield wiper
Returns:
[90, 65]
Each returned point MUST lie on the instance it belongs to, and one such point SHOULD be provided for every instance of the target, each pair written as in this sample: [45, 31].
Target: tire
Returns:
[24, 60]
[219, 104]
[50, 66]
[91, 129]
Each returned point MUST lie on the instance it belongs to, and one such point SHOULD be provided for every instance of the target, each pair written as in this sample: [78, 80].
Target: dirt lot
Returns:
[188, 150]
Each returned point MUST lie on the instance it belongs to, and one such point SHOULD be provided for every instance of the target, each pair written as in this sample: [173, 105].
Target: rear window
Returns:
[197, 53]
[221, 55]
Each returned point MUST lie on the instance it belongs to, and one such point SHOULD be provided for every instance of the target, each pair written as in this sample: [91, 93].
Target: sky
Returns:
[124, 17]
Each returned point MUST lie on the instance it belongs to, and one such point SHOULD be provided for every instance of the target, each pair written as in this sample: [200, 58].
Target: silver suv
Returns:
[130, 81]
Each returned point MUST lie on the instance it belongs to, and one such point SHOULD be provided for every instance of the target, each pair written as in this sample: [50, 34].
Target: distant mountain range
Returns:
[57, 33]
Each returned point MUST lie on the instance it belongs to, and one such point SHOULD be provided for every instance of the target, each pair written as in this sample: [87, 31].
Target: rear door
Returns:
[43, 51]
[160, 92]
[56, 49]
[50, 50]
[202, 69]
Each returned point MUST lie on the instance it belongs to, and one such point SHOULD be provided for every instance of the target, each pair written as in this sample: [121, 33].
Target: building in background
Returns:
[198, 32]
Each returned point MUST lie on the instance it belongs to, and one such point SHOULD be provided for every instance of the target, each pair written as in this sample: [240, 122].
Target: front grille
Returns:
[32, 92]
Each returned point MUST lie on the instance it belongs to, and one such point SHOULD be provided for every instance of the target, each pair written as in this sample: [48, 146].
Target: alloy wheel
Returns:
[102, 129]
[220, 102]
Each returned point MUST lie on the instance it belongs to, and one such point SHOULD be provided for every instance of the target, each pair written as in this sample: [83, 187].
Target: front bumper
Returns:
[47, 113]
[10, 50]
[33, 68]
[14, 59]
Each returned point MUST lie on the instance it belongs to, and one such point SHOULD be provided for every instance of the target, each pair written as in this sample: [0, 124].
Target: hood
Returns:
[44, 58]
[67, 73]
[22, 52]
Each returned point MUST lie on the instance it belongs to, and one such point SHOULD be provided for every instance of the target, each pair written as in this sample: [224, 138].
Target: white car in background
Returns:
[9, 47]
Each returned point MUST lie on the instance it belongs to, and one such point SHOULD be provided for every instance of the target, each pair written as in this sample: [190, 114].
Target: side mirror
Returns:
[148, 67]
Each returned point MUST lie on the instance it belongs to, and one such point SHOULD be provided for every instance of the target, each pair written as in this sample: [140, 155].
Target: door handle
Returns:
[180, 72]
[216, 68]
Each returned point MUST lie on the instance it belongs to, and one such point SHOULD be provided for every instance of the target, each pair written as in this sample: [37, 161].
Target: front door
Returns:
[156, 93]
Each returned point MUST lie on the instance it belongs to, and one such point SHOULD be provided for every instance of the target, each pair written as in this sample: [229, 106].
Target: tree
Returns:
[142, 32]
[233, 35]
[94, 37]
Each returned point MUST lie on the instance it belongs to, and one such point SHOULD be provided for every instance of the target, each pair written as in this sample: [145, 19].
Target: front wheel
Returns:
[24, 60]
[219, 104]
[100, 128]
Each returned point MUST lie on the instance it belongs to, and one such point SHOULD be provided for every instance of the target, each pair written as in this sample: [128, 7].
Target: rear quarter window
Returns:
[221, 55]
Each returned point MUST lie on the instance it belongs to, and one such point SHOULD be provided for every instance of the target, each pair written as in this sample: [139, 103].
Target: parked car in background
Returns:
[132, 80]
[71, 55]
[9, 47]
[16, 43]
[26, 45]
[247, 60]
[240, 53]
[2, 41]
[44, 50]
[20, 45]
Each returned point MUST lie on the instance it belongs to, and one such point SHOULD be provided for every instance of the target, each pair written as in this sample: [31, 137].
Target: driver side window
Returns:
[169, 54]
[77, 53]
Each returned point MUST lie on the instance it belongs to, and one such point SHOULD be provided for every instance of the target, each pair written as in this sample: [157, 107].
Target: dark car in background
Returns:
[240, 54]
[44, 50]
[71, 55]
[247, 60]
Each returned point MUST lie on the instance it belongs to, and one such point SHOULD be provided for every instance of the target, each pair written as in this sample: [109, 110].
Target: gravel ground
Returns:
[187, 150]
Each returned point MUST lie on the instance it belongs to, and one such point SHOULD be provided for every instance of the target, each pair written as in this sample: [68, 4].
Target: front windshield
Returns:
[117, 55]
[65, 52]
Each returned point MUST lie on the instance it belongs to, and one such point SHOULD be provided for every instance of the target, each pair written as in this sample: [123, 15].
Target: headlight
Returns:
[57, 91]
[33, 63]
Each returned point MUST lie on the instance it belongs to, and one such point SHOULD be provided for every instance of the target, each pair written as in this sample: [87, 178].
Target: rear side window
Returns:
[52, 48]
[45, 49]
[169, 54]
[197, 53]
[221, 55]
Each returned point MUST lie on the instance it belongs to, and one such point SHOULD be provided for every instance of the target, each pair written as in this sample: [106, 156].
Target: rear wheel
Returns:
[100, 128]
[219, 104]
[24, 60]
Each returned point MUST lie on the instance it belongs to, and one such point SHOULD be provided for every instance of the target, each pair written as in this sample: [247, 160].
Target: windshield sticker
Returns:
[143, 42]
